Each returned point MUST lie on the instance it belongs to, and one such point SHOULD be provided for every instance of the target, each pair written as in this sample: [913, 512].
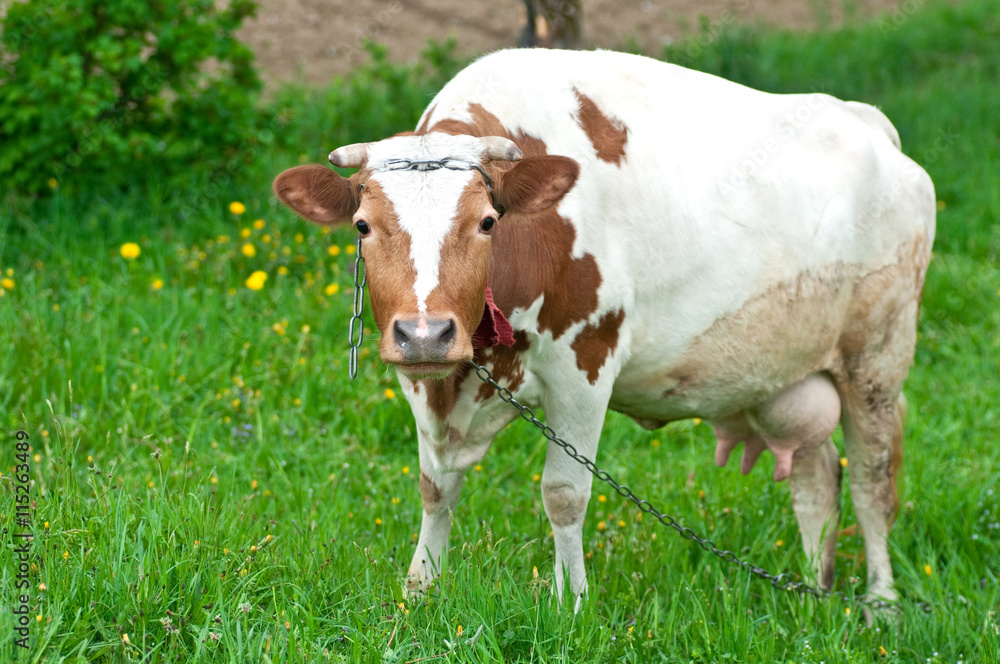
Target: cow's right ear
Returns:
[317, 193]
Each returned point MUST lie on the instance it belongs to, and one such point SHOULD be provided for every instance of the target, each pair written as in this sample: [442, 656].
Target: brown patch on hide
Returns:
[532, 253]
[505, 365]
[422, 129]
[595, 343]
[442, 393]
[607, 135]
[430, 492]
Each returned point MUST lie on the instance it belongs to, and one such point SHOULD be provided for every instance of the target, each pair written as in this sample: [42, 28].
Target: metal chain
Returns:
[357, 323]
[778, 581]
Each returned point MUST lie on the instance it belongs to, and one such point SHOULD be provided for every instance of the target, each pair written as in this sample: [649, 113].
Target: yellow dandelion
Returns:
[130, 251]
[378, 522]
[237, 208]
[222, 239]
[536, 477]
[53, 183]
[478, 468]
[406, 470]
[389, 394]
[125, 640]
[306, 329]
[245, 233]
[258, 224]
[843, 462]
[279, 328]
[459, 631]
[847, 611]
[42, 586]
[350, 249]
[881, 651]
[213, 480]
[333, 250]
[332, 289]
[8, 283]
[656, 442]
[157, 284]
[65, 555]
[55, 307]
[253, 484]
[248, 250]
[297, 402]
[282, 270]
[602, 498]
[927, 570]
[601, 525]
[265, 238]
[9, 272]
[256, 280]
[779, 543]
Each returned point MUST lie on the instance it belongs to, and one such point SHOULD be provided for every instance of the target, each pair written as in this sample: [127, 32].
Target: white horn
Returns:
[500, 148]
[350, 156]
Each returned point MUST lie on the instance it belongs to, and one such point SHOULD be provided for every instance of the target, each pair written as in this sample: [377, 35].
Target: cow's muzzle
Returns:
[426, 345]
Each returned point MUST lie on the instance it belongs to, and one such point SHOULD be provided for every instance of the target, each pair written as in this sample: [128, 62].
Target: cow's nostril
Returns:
[448, 333]
[400, 335]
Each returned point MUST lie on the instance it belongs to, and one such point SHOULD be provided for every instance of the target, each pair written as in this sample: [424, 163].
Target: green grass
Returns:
[156, 490]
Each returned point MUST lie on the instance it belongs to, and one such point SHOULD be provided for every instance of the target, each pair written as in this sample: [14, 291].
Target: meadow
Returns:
[210, 486]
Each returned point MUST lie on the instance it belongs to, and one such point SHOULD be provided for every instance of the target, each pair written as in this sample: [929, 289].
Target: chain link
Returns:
[778, 581]
[357, 322]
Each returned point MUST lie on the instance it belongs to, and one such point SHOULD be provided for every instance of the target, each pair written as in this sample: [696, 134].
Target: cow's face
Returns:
[426, 230]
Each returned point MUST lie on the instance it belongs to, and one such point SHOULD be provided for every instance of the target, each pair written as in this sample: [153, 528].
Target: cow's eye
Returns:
[363, 227]
[486, 225]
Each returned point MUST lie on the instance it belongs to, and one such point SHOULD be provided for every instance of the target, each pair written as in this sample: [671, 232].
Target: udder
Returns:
[800, 418]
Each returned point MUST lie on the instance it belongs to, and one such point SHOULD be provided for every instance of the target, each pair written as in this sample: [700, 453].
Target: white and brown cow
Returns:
[674, 245]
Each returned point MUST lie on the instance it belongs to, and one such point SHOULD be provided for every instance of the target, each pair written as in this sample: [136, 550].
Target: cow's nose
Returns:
[424, 339]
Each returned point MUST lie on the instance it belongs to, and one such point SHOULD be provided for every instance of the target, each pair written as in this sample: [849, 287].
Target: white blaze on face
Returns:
[425, 201]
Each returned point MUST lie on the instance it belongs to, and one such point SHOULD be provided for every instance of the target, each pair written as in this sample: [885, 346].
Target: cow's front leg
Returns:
[439, 492]
[566, 489]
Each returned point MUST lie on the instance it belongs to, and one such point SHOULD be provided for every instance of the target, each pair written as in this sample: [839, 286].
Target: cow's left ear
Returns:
[536, 183]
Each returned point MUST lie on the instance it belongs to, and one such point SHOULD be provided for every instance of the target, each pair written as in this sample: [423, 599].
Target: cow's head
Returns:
[425, 213]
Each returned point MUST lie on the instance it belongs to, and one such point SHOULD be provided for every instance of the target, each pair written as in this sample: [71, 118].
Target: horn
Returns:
[350, 156]
[500, 148]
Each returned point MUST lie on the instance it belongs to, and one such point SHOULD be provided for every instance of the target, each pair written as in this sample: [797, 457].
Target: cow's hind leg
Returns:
[873, 433]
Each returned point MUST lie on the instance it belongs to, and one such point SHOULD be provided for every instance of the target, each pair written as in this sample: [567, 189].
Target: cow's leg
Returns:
[566, 483]
[873, 434]
[815, 484]
[440, 492]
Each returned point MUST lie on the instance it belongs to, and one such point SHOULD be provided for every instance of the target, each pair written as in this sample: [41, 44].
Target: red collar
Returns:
[494, 328]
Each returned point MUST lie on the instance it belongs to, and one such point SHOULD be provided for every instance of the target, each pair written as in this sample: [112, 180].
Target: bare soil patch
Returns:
[311, 41]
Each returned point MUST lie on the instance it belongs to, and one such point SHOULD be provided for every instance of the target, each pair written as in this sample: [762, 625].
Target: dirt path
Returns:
[314, 40]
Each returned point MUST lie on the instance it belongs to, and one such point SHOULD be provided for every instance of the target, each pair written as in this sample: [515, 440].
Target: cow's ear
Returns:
[536, 183]
[317, 193]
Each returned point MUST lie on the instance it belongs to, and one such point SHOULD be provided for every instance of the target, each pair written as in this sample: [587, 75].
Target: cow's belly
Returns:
[741, 359]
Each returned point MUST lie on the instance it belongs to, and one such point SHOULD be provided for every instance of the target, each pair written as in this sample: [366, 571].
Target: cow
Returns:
[607, 231]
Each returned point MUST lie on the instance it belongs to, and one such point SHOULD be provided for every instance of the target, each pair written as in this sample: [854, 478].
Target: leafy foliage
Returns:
[95, 90]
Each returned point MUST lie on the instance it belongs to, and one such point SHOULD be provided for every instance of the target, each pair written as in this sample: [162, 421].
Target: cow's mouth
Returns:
[420, 370]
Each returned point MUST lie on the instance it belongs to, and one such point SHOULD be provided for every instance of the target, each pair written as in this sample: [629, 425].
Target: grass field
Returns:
[210, 486]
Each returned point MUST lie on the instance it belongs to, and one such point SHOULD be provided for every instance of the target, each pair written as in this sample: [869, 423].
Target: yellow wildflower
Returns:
[332, 289]
[282, 270]
[406, 470]
[53, 183]
[237, 208]
[378, 522]
[334, 250]
[389, 394]
[927, 570]
[157, 284]
[350, 249]
[130, 251]
[602, 498]
[248, 250]
[256, 280]
[258, 224]
[7, 283]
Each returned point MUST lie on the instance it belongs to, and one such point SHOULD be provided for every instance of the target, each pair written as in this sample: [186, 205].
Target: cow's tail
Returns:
[874, 118]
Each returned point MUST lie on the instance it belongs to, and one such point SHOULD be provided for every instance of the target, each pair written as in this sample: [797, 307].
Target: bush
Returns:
[92, 90]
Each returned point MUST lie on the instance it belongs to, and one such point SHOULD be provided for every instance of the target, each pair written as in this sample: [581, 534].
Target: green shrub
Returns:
[92, 90]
